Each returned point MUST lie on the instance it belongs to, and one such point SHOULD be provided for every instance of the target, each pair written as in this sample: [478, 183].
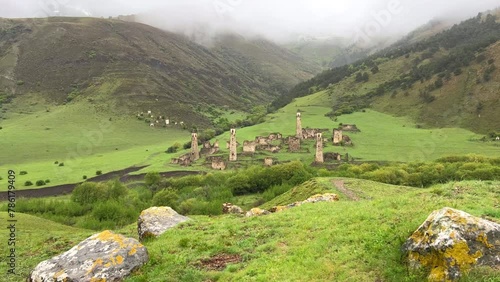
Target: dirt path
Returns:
[339, 184]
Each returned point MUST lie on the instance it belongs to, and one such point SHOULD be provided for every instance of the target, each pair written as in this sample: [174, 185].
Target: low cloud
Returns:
[280, 20]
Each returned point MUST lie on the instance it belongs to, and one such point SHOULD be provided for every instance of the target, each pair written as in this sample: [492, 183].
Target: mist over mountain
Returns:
[279, 20]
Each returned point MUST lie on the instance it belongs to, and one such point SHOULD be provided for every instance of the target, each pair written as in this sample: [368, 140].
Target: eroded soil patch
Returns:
[220, 261]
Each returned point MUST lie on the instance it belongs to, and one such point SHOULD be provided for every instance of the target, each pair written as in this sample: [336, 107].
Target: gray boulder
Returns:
[105, 256]
[451, 242]
[156, 220]
[228, 208]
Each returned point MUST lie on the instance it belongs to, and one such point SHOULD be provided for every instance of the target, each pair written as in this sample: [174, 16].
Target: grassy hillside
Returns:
[449, 79]
[341, 241]
[355, 239]
[132, 67]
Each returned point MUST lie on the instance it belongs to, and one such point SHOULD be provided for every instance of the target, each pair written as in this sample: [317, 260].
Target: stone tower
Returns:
[195, 153]
[319, 148]
[298, 130]
[337, 136]
[232, 146]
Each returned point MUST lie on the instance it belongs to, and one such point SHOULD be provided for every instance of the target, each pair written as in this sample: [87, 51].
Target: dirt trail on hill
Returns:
[339, 184]
[122, 175]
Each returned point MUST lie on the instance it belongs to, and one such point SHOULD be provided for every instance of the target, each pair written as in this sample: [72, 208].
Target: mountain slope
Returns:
[446, 80]
[134, 67]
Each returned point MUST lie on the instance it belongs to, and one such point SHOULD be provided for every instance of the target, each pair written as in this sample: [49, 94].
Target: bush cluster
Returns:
[442, 170]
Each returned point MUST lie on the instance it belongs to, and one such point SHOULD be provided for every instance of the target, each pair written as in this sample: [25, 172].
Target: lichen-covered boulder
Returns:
[156, 220]
[450, 242]
[278, 208]
[105, 256]
[228, 208]
[256, 212]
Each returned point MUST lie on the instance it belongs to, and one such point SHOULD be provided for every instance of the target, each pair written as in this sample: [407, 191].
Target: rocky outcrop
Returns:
[328, 197]
[256, 212]
[105, 256]
[156, 220]
[228, 208]
[450, 242]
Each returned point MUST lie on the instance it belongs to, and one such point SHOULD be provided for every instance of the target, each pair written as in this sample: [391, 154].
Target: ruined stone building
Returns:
[319, 148]
[249, 147]
[263, 140]
[329, 157]
[337, 136]
[195, 154]
[346, 140]
[232, 146]
[184, 160]
[310, 133]
[209, 149]
[293, 144]
[349, 127]
[218, 163]
[268, 161]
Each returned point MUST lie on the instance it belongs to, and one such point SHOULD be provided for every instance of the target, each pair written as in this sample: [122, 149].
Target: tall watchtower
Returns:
[319, 148]
[195, 153]
[232, 146]
[298, 129]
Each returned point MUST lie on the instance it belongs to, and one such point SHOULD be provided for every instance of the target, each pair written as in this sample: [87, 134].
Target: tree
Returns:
[152, 179]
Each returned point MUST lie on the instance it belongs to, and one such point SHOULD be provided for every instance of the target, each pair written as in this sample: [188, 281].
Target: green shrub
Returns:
[152, 179]
[174, 148]
[84, 177]
[23, 172]
[47, 181]
[87, 193]
[90, 192]
[40, 183]
[61, 164]
[113, 211]
[167, 197]
[187, 206]
[99, 172]
[28, 183]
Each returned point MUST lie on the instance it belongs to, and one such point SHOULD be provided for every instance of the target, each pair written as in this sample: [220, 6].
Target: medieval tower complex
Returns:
[232, 146]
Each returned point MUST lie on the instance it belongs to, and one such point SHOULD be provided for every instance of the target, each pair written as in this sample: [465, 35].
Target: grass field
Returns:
[81, 137]
[341, 241]
[87, 141]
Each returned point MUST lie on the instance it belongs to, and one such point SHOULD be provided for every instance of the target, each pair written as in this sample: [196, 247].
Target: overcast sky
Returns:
[277, 19]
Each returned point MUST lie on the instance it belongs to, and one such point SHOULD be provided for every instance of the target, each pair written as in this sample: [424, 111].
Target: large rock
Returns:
[450, 242]
[256, 212]
[228, 208]
[105, 256]
[156, 220]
